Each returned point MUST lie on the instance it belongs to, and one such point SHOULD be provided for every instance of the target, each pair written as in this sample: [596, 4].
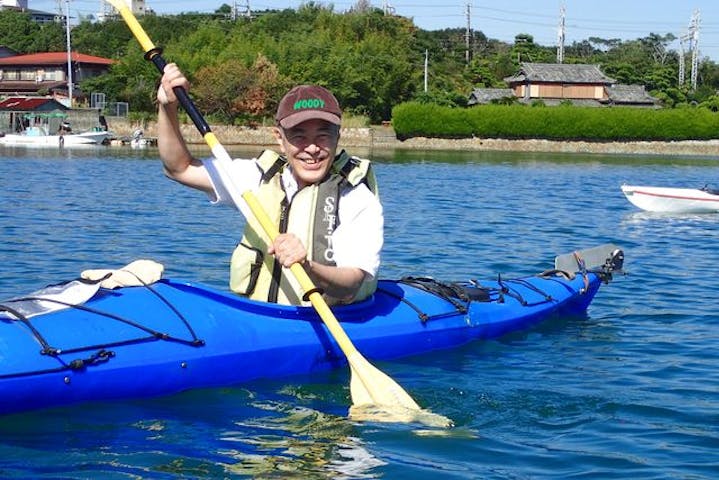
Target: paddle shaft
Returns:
[154, 54]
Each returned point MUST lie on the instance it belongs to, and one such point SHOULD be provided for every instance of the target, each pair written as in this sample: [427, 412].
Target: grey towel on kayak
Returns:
[49, 299]
[137, 273]
[77, 292]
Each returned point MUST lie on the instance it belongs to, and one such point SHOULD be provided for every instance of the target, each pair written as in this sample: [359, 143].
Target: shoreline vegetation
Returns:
[383, 137]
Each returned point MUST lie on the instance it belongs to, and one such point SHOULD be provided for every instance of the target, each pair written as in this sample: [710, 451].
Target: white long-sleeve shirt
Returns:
[357, 240]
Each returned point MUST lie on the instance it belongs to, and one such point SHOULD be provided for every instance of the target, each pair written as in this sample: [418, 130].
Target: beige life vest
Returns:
[312, 216]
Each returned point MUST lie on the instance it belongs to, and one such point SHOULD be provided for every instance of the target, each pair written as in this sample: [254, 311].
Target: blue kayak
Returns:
[173, 335]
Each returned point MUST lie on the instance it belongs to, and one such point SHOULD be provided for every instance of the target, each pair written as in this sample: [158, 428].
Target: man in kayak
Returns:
[323, 202]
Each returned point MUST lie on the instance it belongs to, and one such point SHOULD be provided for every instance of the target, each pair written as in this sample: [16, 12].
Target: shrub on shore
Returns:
[556, 123]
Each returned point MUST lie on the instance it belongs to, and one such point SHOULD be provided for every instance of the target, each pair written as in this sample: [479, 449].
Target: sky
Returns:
[497, 19]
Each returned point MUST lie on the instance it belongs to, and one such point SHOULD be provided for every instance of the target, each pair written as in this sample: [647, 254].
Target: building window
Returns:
[53, 75]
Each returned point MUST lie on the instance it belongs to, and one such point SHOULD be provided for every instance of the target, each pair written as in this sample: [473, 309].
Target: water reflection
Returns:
[318, 445]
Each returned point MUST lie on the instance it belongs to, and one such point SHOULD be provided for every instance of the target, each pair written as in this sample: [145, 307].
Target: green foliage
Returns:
[361, 56]
[355, 121]
[569, 123]
[17, 30]
[232, 90]
[141, 117]
[711, 103]
[132, 80]
[671, 97]
[414, 119]
[20, 33]
[372, 62]
[108, 39]
[446, 99]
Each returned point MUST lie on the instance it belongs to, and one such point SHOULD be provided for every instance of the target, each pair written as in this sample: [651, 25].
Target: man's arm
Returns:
[177, 161]
[342, 283]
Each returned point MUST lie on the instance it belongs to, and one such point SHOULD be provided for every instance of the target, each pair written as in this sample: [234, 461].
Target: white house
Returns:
[21, 4]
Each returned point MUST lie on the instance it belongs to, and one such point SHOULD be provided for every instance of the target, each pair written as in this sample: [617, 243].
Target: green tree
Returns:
[132, 80]
[660, 77]
[583, 50]
[524, 48]
[18, 31]
[656, 46]
[371, 61]
[109, 39]
[232, 90]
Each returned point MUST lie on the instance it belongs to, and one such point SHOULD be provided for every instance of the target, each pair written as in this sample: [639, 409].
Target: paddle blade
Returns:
[370, 386]
[376, 397]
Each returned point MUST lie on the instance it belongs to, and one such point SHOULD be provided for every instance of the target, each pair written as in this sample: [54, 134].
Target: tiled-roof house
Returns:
[34, 73]
[553, 83]
[489, 95]
[560, 81]
[630, 95]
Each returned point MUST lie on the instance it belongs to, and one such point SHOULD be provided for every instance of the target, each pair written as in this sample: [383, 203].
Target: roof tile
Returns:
[53, 58]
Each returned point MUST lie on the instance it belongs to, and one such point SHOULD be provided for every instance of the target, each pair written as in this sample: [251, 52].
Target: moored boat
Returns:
[673, 200]
[39, 137]
[172, 335]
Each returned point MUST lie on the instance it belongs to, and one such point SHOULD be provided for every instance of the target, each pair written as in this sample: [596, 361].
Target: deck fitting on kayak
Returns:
[101, 356]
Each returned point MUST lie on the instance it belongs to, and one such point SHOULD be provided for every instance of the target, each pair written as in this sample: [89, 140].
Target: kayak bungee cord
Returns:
[375, 396]
[102, 354]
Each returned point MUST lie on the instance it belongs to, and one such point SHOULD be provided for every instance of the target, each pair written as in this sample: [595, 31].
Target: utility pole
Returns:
[69, 53]
[105, 10]
[426, 68]
[235, 10]
[695, 49]
[692, 38]
[468, 35]
[560, 35]
[682, 39]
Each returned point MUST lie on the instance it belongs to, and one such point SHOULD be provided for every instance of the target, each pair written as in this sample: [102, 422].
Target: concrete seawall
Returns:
[383, 137]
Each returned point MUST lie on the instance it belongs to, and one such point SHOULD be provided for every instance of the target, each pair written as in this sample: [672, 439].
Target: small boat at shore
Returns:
[80, 341]
[673, 200]
[38, 136]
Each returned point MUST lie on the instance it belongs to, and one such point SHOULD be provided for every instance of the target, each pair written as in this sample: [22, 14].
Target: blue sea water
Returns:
[629, 391]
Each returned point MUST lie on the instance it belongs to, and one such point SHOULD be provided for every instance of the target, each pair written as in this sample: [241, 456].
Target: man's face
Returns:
[310, 148]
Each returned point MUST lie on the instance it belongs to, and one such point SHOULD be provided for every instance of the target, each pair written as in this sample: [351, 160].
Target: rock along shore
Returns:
[383, 137]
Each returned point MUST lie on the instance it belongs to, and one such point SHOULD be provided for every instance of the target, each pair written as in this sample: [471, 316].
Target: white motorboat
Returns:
[38, 136]
[673, 200]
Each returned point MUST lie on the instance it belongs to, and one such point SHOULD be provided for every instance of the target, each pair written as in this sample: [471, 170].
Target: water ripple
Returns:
[631, 390]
